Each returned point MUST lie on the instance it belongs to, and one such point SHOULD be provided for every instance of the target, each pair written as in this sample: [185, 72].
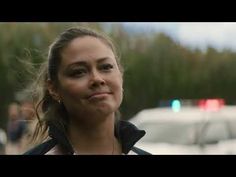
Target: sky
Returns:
[219, 35]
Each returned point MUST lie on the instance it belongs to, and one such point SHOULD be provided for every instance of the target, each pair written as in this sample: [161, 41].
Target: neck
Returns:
[94, 138]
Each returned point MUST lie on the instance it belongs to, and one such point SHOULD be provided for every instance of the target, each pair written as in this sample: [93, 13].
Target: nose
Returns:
[96, 79]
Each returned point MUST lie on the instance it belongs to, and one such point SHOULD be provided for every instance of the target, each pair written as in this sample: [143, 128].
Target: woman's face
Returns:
[90, 82]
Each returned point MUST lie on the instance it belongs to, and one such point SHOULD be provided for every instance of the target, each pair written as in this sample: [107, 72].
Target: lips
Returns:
[98, 95]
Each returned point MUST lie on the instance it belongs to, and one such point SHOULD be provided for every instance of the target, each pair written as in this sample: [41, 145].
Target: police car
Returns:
[209, 128]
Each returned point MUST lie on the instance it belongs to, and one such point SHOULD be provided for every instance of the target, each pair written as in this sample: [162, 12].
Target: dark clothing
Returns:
[127, 134]
[15, 130]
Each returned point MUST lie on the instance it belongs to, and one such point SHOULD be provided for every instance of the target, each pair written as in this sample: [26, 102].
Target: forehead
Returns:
[86, 48]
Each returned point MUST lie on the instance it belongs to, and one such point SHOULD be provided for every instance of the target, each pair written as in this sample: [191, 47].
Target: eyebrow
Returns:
[84, 63]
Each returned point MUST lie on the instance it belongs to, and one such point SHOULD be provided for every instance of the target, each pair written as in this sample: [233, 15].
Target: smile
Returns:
[99, 95]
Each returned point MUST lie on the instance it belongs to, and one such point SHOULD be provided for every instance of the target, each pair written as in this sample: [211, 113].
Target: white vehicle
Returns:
[189, 131]
[3, 141]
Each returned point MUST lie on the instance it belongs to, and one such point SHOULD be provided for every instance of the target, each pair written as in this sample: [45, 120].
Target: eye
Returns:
[106, 67]
[78, 72]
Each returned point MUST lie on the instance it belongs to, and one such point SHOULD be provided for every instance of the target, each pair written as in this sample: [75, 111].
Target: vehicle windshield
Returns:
[187, 133]
[170, 132]
[215, 132]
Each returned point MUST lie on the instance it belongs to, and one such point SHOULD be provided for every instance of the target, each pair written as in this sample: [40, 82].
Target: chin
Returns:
[106, 109]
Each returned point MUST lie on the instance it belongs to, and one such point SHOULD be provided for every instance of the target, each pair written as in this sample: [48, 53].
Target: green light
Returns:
[176, 105]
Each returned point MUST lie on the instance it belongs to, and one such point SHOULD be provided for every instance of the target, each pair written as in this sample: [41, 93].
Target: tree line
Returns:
[156, 67]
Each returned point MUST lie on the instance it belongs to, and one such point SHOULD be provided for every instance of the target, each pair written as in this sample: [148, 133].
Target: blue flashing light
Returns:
[176, 105]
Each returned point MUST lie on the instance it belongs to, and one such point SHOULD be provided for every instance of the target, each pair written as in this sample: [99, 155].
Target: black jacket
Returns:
[127, 133]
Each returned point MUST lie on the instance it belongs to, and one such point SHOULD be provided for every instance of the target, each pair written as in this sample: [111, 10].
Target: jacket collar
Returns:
[127, 133]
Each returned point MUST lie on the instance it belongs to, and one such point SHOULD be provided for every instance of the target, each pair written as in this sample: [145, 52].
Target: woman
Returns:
[81, 97]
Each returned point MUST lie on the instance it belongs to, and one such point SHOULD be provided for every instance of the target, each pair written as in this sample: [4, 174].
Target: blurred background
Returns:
[167, 65]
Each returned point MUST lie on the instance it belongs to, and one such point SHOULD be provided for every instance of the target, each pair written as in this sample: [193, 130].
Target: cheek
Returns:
[72, 90]
[118, 88]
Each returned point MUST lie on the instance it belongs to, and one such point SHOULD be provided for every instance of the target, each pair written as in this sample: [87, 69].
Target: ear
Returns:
[52, 90]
